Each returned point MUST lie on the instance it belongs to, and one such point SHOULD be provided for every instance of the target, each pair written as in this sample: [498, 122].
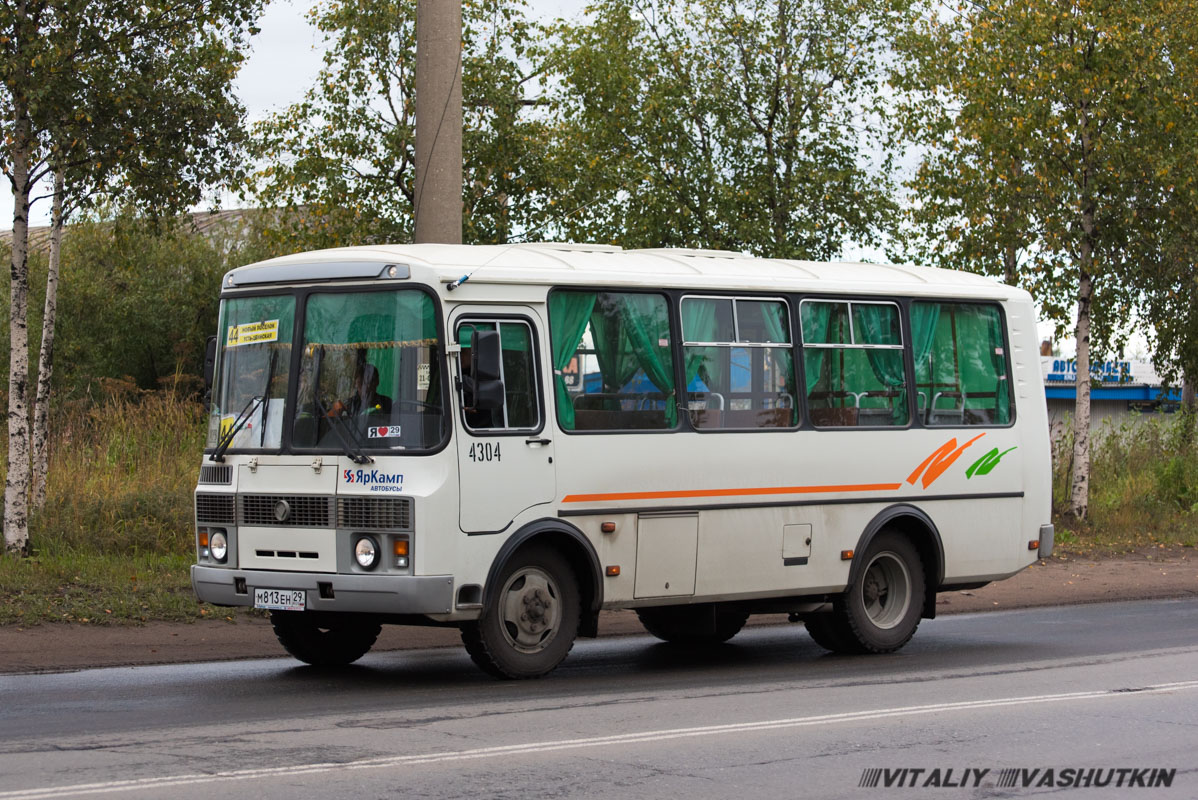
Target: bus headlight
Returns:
[366, 552]
[218, 546]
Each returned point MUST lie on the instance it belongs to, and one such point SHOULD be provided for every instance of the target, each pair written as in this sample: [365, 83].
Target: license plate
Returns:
[280, 599]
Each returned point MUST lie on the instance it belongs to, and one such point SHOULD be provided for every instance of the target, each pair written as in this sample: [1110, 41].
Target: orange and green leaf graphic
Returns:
[941, 459]
[987, 462]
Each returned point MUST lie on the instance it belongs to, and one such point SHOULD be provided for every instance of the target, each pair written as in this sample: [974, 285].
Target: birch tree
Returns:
[114, 97]
[1049, 125]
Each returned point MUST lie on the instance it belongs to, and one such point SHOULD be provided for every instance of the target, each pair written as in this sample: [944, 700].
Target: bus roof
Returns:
[558, 264]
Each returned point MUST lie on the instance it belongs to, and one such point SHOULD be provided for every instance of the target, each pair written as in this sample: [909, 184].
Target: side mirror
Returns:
[484, 389]
[209, 363]
[484, 355]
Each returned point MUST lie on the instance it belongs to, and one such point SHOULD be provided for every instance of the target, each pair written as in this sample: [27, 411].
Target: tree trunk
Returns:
[1187, 393]
[438, 202]
[45, 362]
[1080, 494]
[16, 484]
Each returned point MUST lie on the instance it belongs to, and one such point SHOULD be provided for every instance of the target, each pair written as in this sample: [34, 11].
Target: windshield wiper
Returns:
[262, 400]
[221, 446]
[352, 449]
[270, 374]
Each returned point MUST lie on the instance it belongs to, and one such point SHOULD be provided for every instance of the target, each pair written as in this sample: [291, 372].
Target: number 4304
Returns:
[484, 451]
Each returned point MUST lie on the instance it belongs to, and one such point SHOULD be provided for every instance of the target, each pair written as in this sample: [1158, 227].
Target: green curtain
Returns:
[925, 319]
[569, 313]
[814, 317]
[647, 323]
[1002, 387]
[700, 324]
[774, 315]
[617, 362]
[876, 324]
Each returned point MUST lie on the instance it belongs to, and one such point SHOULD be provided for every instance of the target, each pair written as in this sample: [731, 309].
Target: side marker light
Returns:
[613, 571]
[846, 555]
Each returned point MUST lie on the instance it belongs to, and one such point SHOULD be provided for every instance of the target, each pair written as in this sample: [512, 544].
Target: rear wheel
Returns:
[323, 645]
[706, 623]
[880, 611]
[530, 623]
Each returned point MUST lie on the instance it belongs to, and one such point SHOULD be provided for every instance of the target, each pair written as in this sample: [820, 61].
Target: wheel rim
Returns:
[886, 590]
[530, 610]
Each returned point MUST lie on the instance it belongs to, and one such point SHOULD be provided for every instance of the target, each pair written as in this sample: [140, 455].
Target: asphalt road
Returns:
[1001, 698]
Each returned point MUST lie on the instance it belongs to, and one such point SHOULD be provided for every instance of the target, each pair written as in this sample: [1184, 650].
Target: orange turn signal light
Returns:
[846, 555]
[401, 547]
[608, 527]
[1034, 544]
[613, 571]
[203, 538]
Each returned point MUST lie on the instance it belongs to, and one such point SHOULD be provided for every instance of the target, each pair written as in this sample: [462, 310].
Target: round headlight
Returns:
[366, 552]
[218, 546]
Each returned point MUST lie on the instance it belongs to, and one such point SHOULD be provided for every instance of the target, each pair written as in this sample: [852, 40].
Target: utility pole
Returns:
[438, 202]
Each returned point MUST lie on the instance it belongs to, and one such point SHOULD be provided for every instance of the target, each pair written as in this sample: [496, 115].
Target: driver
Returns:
[366, 398]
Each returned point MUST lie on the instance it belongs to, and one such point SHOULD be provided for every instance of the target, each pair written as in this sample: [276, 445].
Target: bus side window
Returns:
[518, 371]
[853, 363]
[613, 366]
[739, 362]
[961, 368]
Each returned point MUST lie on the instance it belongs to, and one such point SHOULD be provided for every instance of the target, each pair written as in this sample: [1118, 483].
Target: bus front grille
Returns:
[375, 513]
[286, 510]
[216, 473]
[218, 508]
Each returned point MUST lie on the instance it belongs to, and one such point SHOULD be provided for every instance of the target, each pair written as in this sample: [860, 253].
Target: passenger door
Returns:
[505, 456]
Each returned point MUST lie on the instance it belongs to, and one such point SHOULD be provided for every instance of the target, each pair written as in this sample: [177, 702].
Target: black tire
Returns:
[705, 623]
[829, 632]
[880, 611]
[323, 645]
[530, 621]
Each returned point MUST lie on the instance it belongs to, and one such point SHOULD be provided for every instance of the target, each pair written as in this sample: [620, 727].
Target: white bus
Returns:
[510, 439]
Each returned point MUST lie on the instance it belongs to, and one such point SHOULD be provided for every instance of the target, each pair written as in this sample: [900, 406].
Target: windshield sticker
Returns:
[422, 374]
[253, 333]
[377, 480]
[226, 424]
[383, 431]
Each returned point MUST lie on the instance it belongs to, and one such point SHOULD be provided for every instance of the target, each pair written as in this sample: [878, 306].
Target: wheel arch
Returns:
[574, 546]
[919, 528]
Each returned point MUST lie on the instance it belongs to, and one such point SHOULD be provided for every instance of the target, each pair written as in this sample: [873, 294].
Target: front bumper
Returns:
[375, 594]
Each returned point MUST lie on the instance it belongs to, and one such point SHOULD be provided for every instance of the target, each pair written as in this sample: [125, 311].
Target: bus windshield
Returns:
[369, 376]
[252, 369]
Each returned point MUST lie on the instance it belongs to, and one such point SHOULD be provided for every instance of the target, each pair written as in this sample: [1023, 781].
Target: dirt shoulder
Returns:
[1150, 574]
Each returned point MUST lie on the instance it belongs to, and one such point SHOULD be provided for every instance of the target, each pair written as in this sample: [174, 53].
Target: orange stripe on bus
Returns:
[766, 490]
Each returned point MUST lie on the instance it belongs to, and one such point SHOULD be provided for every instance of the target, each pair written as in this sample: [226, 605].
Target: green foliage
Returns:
[704, 123]
[131, 98]
[139, 300]
[1052, 135]
[1144, 483]
[342, 160]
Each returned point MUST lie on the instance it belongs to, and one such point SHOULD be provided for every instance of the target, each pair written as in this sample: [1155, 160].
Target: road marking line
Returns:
[572, 744]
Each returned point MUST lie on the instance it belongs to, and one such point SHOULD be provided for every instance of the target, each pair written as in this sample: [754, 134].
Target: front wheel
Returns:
[880, 611]
[530, 623]
[323, 645]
